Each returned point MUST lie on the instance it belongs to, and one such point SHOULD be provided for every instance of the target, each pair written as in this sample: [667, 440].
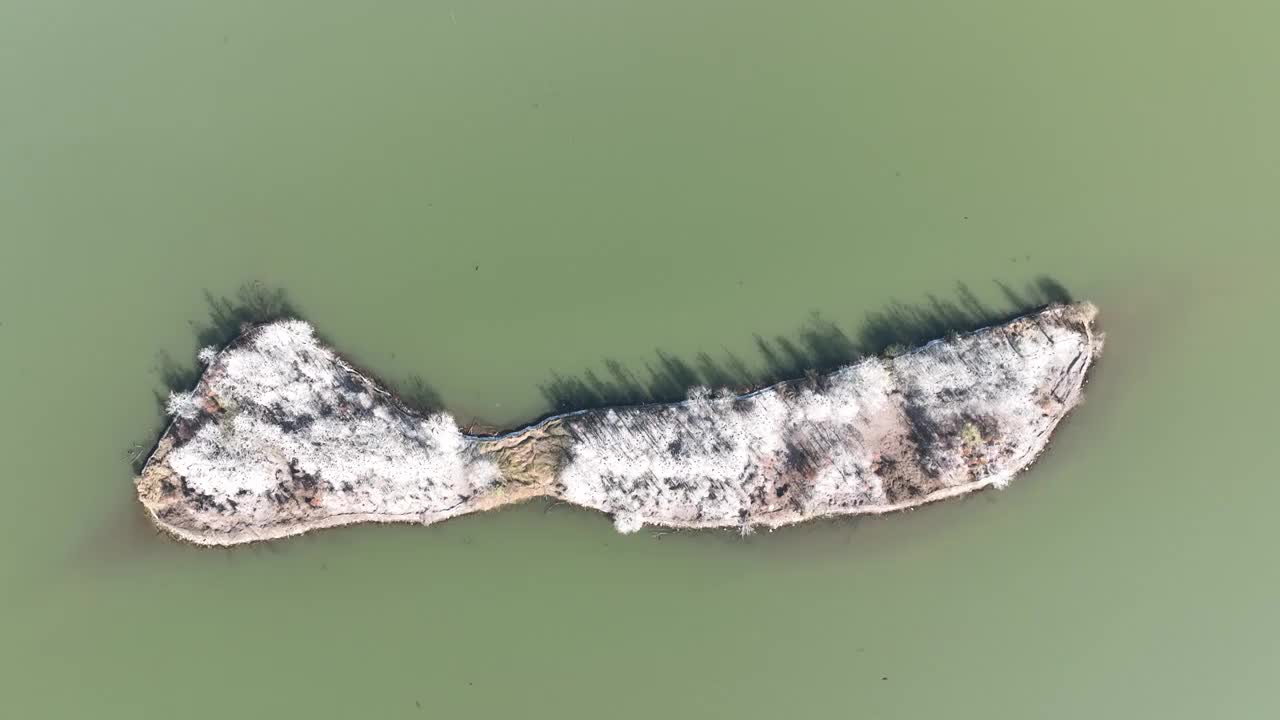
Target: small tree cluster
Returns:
[184, 405]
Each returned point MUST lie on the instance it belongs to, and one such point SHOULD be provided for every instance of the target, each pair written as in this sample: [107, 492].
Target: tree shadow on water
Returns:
[228, 318]
[819, 346]
[252, 304]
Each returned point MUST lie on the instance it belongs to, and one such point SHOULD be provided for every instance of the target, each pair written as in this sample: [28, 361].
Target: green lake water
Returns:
[488, 195]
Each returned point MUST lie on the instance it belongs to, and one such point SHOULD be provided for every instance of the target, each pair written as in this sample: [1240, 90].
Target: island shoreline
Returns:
[515, 493]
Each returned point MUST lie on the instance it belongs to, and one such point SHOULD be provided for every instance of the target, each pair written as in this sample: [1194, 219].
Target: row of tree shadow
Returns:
[229, 317]
[252, 304]
[819, 345]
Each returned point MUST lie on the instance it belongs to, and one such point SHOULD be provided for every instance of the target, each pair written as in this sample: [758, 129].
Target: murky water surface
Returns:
[489, 196]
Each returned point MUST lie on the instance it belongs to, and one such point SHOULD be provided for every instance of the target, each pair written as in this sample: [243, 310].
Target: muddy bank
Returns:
[281, 436]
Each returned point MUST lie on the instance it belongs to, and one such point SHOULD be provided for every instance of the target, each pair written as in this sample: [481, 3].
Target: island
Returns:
[282, 436]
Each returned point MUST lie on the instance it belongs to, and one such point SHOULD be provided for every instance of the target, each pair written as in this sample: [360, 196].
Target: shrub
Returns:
[182, 405]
